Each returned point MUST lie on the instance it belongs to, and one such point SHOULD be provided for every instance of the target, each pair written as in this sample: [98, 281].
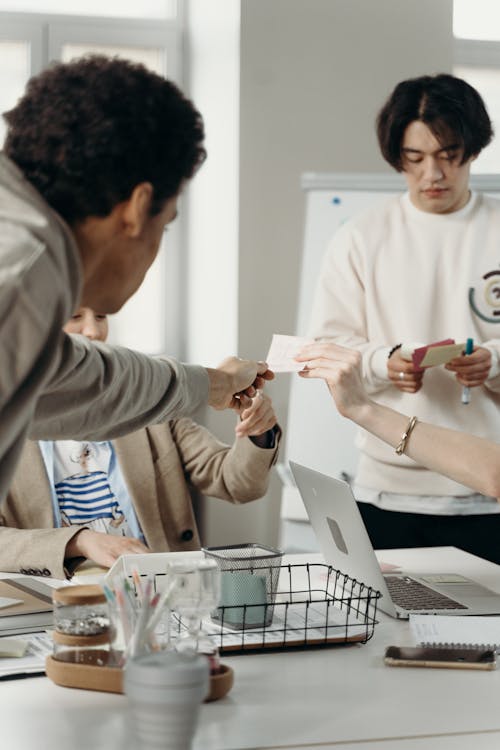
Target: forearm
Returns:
[100, 392]
[40, 550]
[469, 460]
[236, 473]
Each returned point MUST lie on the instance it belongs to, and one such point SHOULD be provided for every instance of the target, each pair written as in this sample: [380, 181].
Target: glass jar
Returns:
[81, 611]
[81, 625]
[79, 649]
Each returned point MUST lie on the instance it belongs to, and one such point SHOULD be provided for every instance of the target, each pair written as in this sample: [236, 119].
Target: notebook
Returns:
[456, 631]
[31, 609]
[345, 544]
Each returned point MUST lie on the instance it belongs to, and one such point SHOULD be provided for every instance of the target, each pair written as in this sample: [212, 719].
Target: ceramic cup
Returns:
[165, 691]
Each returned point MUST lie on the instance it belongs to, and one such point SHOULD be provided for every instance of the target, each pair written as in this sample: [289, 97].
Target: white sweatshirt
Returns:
[396, 274]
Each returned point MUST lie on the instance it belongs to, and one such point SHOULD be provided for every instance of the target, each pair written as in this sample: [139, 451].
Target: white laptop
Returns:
[345, 544]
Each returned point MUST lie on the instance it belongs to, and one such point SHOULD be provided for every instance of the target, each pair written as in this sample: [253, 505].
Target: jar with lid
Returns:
[81, 625]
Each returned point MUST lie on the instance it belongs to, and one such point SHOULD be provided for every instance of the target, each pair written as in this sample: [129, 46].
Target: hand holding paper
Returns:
[439, 353]
[283, 349]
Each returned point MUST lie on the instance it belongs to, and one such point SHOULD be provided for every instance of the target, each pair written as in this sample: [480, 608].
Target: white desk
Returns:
[339, 697]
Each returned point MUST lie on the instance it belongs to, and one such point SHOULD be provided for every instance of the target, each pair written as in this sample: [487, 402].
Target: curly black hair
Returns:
[448, 105]
[86, 132]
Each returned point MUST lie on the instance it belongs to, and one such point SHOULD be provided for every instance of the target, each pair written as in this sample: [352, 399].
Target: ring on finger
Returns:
[401, 376]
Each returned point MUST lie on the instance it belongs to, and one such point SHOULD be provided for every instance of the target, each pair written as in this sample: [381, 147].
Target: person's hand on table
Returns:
[403, 375]
[472, 369]
[103, 549]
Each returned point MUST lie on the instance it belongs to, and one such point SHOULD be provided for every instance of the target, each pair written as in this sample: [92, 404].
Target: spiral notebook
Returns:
[458, 631]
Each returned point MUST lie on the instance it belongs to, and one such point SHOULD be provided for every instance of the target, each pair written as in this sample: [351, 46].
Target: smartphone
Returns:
[451, 658]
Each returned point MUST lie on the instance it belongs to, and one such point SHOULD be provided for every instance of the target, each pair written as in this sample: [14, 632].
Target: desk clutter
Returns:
[102, 633]
[199, 605]
[264, 604]
[25, 605]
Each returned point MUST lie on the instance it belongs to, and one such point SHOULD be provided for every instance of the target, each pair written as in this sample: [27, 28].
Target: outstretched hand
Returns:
[341, 369]
[235, 382]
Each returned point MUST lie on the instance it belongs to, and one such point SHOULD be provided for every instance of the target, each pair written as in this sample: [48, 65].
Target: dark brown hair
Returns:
[449, 107]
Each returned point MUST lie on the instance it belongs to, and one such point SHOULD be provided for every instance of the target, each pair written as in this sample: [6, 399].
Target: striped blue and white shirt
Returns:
[88, 487]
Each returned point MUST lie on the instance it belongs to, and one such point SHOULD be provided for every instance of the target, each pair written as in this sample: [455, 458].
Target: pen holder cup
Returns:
[249, 582]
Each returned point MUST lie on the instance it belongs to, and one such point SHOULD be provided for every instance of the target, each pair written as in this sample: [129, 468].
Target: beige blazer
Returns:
[160, 465]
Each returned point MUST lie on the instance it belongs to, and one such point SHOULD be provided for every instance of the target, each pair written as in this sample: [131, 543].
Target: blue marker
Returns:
[469, 348]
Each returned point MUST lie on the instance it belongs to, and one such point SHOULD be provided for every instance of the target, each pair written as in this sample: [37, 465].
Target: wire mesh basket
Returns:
[314, 605]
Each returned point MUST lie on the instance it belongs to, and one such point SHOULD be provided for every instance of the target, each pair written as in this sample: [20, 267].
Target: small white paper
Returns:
[13, 647]
[283, 349]
[39, 646]
[5, 601]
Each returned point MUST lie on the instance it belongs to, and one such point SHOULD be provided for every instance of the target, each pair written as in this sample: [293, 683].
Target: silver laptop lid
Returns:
[339, 528]
[345, 544]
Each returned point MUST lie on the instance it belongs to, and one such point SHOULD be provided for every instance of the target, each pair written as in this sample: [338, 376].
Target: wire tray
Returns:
[315, 605]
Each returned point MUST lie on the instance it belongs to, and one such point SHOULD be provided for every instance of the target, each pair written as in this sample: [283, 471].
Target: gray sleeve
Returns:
[99, 392]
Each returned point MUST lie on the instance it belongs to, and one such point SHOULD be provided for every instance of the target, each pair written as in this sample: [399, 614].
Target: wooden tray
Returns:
[110, 679]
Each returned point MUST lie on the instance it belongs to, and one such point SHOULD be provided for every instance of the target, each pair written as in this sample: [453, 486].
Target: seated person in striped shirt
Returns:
[71, 501]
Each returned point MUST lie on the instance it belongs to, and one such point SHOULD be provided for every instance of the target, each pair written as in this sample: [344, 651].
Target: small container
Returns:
[81, 625]
[92, 650]
[249, 582]
[81, 611]
[165, 691]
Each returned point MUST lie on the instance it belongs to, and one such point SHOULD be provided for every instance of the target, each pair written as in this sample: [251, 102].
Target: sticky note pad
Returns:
[440, 355]
[14, 647]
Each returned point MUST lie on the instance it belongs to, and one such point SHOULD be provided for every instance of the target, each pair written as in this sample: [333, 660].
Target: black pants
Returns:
[388, 529]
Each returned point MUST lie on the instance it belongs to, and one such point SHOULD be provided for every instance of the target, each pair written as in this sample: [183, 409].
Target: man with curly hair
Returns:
[96, 154]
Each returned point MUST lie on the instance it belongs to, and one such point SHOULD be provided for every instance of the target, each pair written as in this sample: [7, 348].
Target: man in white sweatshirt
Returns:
[423, 267]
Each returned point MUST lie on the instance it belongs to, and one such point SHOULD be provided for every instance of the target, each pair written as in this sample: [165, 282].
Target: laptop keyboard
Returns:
[410, 594]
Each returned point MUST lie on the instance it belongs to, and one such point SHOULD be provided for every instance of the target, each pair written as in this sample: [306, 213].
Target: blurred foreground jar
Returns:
[81, 625]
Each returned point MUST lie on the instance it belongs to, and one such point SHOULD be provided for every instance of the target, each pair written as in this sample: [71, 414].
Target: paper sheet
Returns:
[13, 647]
[6, 601]
[40, 645]
[282, 351]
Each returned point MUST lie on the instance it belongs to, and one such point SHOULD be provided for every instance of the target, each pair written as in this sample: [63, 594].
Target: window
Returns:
[161, 9]
[476, 28]
[148, 32]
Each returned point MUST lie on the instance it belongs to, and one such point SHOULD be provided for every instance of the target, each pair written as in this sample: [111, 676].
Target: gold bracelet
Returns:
[400, 448]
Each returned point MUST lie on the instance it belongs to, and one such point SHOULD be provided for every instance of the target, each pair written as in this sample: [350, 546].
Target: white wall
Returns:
[294, 85]
[212, 200]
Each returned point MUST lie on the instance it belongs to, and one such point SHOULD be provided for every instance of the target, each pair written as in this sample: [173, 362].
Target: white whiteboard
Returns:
[317, 435]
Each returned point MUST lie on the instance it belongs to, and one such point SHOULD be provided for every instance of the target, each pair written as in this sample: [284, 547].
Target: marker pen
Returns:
[469, 348]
